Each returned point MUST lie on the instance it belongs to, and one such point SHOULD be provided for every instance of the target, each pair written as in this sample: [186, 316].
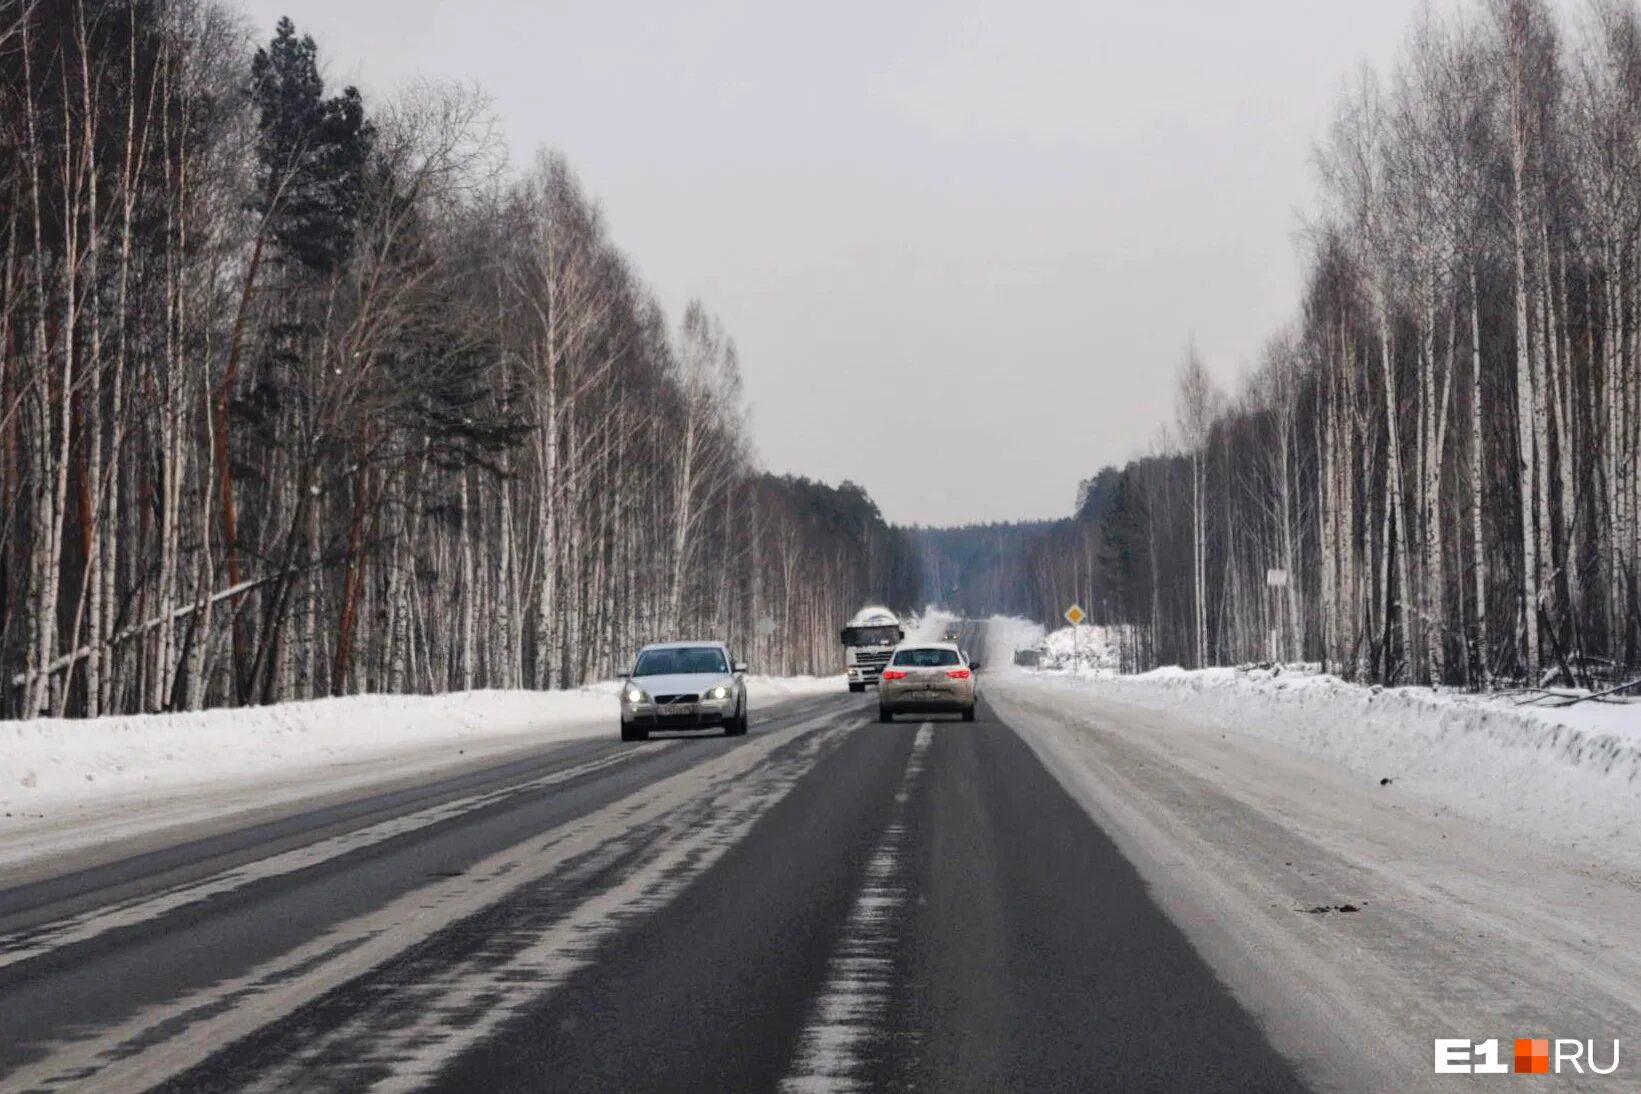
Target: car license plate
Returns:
[929, 695]
[674, 708]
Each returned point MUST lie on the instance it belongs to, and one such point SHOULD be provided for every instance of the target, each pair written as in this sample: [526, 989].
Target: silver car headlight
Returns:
[633, 695]
[719, 692]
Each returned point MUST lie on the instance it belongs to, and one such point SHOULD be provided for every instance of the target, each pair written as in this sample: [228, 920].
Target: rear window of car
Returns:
[926, 659]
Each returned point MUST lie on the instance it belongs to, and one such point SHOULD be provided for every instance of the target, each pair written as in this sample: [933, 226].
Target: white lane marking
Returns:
[34, 941]
[859, 977]
[166, 1039]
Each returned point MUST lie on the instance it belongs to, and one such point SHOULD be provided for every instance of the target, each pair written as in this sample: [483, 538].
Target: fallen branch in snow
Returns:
[1535, 695]
[69, 659]
[1571, 700]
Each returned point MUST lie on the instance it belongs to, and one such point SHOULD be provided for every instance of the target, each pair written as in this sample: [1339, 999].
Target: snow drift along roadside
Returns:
[47, 764]
[1091, 645]
[1572, 774]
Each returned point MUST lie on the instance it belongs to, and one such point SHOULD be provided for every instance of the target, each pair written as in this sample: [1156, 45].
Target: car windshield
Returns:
[926, 659]
[681, 661]
[871, 636]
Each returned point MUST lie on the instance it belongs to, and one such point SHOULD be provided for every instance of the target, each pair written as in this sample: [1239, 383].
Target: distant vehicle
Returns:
[926, 679]
[868, 640]
[683, 685]
[951, 634]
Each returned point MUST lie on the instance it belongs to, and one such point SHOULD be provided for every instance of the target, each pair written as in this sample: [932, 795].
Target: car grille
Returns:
[669, 699]
[871, 664]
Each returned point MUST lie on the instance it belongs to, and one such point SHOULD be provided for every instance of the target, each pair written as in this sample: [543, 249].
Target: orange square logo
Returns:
[1532, 1055]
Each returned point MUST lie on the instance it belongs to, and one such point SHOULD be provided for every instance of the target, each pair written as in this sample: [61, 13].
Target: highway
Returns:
[826, 904]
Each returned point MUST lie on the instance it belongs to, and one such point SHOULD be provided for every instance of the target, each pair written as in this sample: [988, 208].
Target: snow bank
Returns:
[1572, 771]
[1307, 685]
[760, 689]
[1084, 646]
[1087, 647]
[48, 763]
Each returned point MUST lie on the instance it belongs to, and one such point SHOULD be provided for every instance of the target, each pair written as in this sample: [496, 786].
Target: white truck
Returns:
[868, 640]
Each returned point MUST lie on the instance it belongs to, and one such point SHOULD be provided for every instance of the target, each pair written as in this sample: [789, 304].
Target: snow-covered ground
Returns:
[65, 784]
[47, 762]
[1084, 647]
[1369, 869]
[1620, 716]
[1572, 773]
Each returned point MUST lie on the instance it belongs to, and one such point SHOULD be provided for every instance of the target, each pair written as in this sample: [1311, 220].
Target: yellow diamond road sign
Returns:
[1075, 615]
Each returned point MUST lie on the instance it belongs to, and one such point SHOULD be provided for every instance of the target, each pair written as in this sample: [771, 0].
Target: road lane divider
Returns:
[860, 975]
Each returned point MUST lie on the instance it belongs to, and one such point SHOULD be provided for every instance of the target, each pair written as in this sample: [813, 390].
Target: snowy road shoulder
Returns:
[1359, 921]
[1571, 775]
[70, 784]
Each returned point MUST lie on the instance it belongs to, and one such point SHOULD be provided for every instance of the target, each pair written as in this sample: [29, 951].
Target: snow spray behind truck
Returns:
[868, 640]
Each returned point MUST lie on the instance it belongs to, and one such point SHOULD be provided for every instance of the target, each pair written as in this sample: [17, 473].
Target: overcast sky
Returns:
[961, 244]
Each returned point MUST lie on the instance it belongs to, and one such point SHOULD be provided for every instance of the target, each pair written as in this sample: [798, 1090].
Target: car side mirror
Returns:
[740, 666]
[974, 666]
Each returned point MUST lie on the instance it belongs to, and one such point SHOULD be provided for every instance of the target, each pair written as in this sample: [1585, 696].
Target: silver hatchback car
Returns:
[928, 678]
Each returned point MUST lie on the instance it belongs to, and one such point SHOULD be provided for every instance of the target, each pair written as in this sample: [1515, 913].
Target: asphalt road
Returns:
[826, 904]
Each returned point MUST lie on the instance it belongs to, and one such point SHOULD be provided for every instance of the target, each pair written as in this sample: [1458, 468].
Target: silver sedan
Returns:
[928, 678]
[683, 685]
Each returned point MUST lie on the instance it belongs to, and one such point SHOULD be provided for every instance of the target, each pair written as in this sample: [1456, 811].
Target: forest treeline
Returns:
[305, 395]
[1441, 453]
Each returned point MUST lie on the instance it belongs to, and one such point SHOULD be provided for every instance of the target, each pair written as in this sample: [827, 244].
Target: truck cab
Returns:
[868, 641]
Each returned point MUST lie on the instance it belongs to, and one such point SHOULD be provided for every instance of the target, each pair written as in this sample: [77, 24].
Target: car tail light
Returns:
[893, 674]
[958, 674]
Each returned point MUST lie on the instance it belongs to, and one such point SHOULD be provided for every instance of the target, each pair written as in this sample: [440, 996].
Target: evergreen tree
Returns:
[313, 153]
